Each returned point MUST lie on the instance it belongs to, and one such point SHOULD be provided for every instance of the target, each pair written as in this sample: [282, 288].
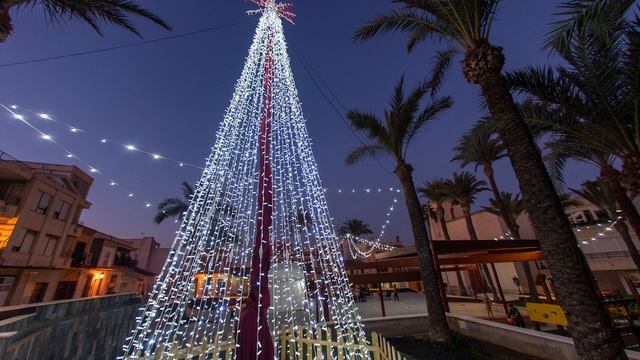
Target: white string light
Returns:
[197, 300]
[68, 153]
[375, 244]
[609, 227]
[77, 130]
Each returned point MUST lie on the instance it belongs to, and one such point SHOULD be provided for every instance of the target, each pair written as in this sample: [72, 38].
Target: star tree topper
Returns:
[282, 9]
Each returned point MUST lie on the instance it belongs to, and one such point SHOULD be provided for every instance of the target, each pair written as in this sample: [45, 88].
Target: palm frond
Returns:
[406, 20]
[365, 151]
[464, 186]
[95, 12]
[443, 60]
[430, 113]
[599, 194]
[597, 19]
[370, 124]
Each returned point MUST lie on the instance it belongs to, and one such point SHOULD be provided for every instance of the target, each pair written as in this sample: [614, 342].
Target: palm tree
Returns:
[392, 137]
[463, 188]
[436, 192]
[467, 24]
[482, 148]
[599, 193]
[355, 227]
[596, 93]
[510, 207]
[174, 208]
[115, 12]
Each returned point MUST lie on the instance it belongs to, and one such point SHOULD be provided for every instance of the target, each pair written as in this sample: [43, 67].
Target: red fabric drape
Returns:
[253, 327]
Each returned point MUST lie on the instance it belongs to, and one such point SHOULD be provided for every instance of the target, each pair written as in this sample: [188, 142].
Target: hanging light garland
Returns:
[609, 227]
[196, 304]
[373, 245]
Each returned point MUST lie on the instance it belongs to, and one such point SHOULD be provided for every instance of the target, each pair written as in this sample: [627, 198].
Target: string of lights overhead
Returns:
[371, 245]
[25, 114]
[608, 226]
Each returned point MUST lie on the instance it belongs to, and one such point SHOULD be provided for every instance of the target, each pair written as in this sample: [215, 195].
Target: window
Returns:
[39, 290]
[107, 256]
[62, 212]
[25, 243]
[13, 194]
[6, 283]
[41, 202]
[49, 245]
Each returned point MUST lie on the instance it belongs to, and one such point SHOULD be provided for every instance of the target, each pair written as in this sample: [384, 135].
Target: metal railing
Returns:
[5, 156]
[608, 255]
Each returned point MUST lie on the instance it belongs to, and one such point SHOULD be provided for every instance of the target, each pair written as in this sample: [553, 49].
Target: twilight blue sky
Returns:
[169, 98]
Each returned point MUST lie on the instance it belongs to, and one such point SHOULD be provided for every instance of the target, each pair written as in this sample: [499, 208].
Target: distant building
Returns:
[112, 265]
[46, 254]
[40, 205]
[607, 255]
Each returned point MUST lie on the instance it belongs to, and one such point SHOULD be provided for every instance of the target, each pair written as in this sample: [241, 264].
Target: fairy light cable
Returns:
[310, 287]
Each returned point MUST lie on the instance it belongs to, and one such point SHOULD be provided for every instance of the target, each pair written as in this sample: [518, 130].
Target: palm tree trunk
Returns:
[443, 223]
[623, 230]
[578, 293]
[437, 320]
[533, 290]
[488, 172]
[467, 219]
[445, 231]
[466, 209]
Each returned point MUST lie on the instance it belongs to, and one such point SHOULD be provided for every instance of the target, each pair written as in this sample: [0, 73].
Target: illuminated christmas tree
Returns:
[255, 265]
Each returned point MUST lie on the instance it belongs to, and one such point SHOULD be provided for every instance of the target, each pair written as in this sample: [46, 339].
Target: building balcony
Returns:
[125, 261]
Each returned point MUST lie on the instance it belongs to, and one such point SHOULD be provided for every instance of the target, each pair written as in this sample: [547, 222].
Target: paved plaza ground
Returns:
[412, 303]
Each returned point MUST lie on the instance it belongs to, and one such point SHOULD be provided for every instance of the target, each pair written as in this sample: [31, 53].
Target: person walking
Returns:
[395, 293]
[487, 304]
[514, 317]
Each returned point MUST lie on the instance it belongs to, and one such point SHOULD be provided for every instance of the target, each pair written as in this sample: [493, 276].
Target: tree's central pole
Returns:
[254, 337]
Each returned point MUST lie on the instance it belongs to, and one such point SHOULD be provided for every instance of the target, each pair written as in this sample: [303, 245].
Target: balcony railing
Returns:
[608, 255]
[5, 156]
[125, 261]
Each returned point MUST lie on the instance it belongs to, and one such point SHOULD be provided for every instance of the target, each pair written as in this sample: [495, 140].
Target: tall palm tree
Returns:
[481, 148]
[93, 13]
[174, 207]
[467, 25]
[392, 137]
[436, 191]
[464, 187]
[355, 227]
[599, 193]
[511, 207]
[596, 92]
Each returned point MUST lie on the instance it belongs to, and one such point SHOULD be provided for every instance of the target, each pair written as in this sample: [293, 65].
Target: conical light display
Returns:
[255, 266]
